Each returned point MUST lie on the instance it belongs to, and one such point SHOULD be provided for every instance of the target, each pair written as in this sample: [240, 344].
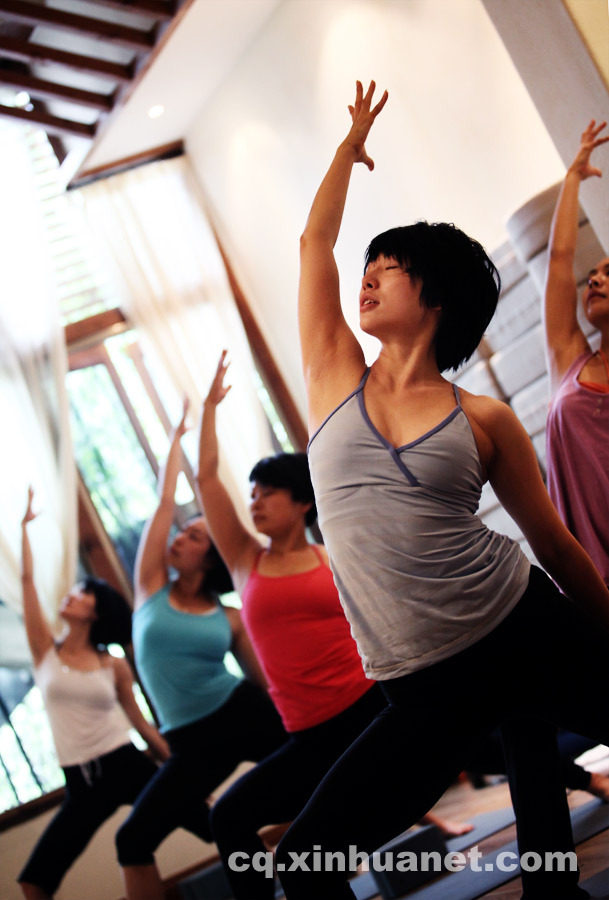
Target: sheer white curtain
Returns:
[35, 447]
[175, 290]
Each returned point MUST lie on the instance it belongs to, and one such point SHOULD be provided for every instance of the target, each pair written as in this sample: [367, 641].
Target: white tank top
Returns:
[83, 709]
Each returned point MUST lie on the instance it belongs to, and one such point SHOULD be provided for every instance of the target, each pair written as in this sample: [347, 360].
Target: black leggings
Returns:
[541, 661]
[489, 759]
[277, 789]
[203, 754]
[94, 792]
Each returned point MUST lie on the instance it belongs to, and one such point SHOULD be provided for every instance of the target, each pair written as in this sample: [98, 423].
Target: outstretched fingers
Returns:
[593, 130]
[218, 390]
[363, 116]
[591, 135]
[376, 109]
[29, 513]
[591, 138]
[365, 102]
[181, 428]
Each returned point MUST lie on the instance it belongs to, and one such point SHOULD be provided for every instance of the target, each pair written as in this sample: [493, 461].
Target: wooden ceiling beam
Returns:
[110, 319]
[37, 87]
[50, 123]
[154, 154]
[34, 14]
[13, 48]
[164, 10]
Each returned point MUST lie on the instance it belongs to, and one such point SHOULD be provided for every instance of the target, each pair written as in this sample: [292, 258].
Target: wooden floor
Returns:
[462, 801]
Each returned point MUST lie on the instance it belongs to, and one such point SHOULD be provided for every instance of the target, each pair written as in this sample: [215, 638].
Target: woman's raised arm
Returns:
[236, 545]
[150, 567]
[564, 338]
[39, 634]
[332, 357]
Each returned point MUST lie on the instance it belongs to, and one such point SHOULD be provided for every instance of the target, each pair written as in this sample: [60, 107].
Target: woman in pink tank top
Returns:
[578, 422]
[292, 613]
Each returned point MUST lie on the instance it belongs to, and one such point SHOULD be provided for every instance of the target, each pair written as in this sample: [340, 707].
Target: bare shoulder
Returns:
[489, 413]
[120, 665]
[493, 424]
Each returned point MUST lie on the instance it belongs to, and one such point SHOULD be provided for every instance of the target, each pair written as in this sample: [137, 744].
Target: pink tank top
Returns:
[577, 439]
[302, 639]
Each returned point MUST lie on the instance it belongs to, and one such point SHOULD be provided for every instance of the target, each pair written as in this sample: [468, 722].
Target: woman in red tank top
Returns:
[297, 627]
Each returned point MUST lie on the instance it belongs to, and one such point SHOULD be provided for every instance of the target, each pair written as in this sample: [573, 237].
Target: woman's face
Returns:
[274, 512]
[596, 294]
[78, 605]
[188, 550]
[390, 300]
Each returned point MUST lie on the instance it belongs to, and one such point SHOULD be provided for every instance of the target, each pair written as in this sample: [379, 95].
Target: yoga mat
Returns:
[484, 824]
[364, 886]
[587, 821]
[597, 886]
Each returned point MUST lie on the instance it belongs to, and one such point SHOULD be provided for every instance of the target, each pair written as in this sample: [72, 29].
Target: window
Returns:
[120, 422]
[27, 769]
[122, 407]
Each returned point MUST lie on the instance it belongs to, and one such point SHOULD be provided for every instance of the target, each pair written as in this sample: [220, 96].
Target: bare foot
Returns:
[448, 827]
[599, 786]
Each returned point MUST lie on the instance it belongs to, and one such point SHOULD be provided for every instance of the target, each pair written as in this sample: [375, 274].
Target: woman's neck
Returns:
[76, 640]
[399, 366]
[190, 586]
[292, 542]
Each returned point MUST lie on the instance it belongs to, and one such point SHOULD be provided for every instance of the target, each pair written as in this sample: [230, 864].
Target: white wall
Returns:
[459, 140]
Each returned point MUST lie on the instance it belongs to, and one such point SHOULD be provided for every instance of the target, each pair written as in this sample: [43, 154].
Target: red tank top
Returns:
[302, 639]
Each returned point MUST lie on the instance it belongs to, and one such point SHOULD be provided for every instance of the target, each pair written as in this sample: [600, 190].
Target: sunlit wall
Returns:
[459, 140]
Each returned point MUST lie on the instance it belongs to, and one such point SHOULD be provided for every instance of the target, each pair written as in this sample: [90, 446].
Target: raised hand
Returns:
[363, 115]
[29, 513]
[218, 390]
[590, 140]
[181, 428]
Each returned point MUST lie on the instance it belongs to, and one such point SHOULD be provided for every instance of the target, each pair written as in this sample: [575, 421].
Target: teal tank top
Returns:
[180, 660]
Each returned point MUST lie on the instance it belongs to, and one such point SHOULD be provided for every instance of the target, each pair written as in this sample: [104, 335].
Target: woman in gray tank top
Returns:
[436, 601]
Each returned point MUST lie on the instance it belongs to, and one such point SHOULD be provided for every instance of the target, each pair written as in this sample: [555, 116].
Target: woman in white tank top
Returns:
[90, 703]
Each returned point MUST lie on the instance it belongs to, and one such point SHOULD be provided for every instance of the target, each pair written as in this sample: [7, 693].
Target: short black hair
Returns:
[456, 274]
[113, 622]
[289, 471]
[217, 578]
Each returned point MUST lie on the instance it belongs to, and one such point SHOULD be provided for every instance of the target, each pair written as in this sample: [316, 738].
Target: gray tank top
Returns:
[419, 575]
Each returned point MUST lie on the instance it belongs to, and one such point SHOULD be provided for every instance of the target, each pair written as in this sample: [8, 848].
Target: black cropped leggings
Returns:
[246, 728]
[93, 793]
[541, 661]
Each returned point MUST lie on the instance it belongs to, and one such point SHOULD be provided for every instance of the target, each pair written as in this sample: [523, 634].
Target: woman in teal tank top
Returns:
[211, 719]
